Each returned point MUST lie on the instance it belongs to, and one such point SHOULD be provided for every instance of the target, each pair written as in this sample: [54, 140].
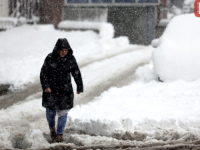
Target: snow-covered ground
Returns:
[26, 119]
[144, 112]
[23, 50]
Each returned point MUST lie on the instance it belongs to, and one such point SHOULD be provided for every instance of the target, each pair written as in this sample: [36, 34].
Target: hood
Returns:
[62, 44]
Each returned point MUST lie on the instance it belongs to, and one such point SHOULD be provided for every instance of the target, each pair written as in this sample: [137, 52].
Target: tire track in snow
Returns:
[117, 71]
[30, 89]
[127, 50]
[118, 81]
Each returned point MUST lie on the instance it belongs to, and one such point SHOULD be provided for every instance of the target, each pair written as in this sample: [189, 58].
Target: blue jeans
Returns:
[50, 115]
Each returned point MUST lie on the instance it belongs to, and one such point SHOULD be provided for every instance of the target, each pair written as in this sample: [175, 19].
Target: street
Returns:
[123, 76]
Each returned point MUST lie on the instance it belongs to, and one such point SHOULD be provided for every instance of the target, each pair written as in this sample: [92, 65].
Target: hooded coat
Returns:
[55, 74]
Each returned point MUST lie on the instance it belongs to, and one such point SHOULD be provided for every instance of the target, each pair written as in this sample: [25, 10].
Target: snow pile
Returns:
[23, 50]
[144, 110]
[155, 43]
[106, 30]
[7, 23]
[145, 73]
[178, 53]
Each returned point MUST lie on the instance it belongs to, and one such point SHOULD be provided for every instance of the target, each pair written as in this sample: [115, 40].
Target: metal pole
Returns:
[150, 24]
[25, 3]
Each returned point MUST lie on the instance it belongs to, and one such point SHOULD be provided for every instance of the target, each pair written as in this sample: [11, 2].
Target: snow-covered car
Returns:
[177, 53]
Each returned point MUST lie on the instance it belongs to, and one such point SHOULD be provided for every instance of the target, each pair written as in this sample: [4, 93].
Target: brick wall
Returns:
[162, 9]
[51, 11]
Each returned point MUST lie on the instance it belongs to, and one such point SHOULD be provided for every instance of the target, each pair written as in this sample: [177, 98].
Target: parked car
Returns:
[177, 53]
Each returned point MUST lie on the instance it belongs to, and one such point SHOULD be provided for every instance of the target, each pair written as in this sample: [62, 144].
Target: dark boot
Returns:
[53, 133]
[59, 138]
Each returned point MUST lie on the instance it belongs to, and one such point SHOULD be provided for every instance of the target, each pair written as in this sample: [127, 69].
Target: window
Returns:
[101, 1]
[77, 1]
[148, 1]
[124, 1]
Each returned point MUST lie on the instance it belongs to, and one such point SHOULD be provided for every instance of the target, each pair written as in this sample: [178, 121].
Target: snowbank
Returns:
[142, 111]
[23, 50]
[106, 30]
[178, 53]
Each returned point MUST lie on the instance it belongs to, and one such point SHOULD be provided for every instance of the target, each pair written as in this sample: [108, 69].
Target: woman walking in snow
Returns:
[58, 93]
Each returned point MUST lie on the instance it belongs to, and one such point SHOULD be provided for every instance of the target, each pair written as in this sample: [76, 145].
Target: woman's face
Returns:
[63, 52]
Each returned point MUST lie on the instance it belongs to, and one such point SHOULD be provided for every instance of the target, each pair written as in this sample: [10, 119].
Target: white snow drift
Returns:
[144, 110]
[106, 30]
[178, 53]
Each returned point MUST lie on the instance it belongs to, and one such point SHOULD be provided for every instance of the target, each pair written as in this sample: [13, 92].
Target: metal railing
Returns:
[17, 12]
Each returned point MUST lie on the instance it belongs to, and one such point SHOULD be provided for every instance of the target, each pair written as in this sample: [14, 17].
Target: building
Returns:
[4, 8]
[137, 19]
[17, 12]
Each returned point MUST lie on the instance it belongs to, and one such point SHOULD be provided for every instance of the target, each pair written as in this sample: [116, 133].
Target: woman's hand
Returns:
[48, 90]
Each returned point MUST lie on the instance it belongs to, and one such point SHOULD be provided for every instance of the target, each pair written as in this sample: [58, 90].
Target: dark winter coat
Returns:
[55, 74]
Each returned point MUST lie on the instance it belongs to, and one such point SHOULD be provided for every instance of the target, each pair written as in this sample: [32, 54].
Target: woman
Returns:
[58, 93]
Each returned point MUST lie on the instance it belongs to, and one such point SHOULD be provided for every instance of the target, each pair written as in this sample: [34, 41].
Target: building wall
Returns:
[138, 23]
[159, 31]
[51, 11]
[4, 8]
[162, 14]
[97, 14]
[162, 9]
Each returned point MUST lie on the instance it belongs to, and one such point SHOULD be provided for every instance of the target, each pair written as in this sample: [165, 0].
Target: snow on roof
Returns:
[106, 30]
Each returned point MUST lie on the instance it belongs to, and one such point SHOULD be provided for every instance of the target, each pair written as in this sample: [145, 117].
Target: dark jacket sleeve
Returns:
[77, 75]
[43, 74]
